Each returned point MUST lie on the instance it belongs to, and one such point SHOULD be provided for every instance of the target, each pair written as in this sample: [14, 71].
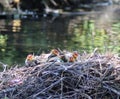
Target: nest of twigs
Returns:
[94, 77]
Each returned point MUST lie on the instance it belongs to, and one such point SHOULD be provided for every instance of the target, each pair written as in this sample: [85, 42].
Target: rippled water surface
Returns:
[21, 37]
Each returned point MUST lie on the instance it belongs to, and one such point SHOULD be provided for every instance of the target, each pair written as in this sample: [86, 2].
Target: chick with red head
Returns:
[30, 60]
[76, 56]
[54, 55]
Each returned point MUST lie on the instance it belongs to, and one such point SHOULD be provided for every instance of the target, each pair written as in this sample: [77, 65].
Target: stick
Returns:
[46, 88]
[111, 89]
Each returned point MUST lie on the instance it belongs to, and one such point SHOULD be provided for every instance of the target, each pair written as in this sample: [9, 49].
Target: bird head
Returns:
[30, 57]
[55, 52]
[75, 54]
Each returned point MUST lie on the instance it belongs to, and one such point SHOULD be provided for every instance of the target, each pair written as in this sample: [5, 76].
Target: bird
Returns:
[65, 56]
[31, 60]
[76, 56]
[70, 56]
[49, 56]
[55, 59]
[53, 53]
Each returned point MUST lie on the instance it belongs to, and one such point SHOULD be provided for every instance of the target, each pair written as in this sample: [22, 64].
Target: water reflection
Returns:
[20, 37]
[16, 25]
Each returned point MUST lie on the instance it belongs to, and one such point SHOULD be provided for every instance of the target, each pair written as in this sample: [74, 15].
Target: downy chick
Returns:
[30, 60]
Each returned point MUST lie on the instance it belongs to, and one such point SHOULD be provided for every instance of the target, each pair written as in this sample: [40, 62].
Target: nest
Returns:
[94, 77]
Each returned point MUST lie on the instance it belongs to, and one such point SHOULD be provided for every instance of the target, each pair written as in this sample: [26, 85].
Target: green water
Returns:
[21, 37]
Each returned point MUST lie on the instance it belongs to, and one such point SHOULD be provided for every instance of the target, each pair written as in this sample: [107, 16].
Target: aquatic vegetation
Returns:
[3, 39]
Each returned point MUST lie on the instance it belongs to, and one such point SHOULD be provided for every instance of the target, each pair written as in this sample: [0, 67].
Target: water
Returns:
[21, 37]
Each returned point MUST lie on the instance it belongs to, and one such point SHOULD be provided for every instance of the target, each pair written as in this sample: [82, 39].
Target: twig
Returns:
[35, 95]
[4, 66]
[86, 96]
[61, 86]
[111, 89]
[7, 90]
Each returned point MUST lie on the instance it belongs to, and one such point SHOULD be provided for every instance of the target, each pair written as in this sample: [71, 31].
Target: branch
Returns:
[46, 88]
[112, 89]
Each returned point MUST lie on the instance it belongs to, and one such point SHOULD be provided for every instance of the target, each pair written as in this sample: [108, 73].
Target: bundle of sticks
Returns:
[96, 76]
